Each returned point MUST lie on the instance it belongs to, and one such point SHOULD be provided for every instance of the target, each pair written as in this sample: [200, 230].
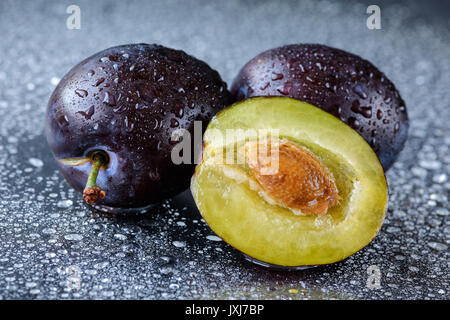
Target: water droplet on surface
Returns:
[413, 269]
[430, 164]
[48, 231]
[101, 265]
[440, 178]
[167, 271]
[50, 255]
[36, 162]
[213, 238]
[55, 80]
[173, 286]
[437, 246]
[168, 259]
[179, 244]
[392, 229]
[120, 236]
[73, 237]
[35, 291]
[64, 204]
[108, 293]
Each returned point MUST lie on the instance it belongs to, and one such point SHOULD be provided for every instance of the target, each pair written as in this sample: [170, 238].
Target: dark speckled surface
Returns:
[54, 247]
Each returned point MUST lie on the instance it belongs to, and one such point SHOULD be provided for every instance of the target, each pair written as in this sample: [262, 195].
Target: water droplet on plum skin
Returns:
[396, 127]
[99, 82]
[360, 91]
[81, 93]
[379, 114]
[353, 122]
[366, 112]
[286, 88]
[88, 115]
[277, 76]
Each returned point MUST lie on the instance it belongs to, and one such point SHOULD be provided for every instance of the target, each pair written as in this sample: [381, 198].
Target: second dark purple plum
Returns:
[341, 83]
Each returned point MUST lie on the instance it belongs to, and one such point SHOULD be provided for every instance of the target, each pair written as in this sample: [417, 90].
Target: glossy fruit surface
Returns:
[128, 101]
[341, 83]
[240, 208]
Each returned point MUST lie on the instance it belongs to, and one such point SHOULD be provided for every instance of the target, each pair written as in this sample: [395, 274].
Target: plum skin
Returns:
[127, 100]
[341, 83]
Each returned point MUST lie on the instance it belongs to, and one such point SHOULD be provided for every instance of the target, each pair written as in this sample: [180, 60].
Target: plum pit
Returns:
[292, 176]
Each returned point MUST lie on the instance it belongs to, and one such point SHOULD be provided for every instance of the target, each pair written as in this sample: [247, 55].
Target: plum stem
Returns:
[92, 192]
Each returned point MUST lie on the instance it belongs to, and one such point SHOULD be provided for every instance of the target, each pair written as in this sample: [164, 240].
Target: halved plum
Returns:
[288, 184]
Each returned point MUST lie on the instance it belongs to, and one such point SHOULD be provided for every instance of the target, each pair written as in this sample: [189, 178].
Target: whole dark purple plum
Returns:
[110, 121]
[336, 81]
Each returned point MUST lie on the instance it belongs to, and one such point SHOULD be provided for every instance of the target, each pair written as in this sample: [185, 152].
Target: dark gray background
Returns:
[47, 234]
